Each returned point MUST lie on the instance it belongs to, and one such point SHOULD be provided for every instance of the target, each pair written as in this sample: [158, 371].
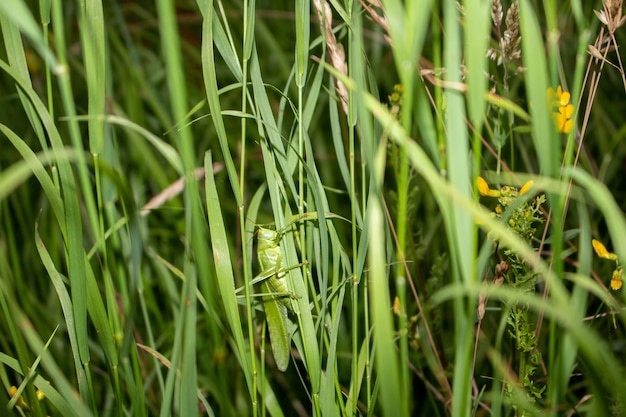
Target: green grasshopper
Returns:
[276, 305]
[274, 283]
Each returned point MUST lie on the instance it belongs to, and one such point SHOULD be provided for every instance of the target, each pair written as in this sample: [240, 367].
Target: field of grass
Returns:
[309, 208]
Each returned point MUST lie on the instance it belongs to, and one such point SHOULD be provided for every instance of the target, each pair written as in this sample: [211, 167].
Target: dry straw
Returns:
[612, 18]
[335, 49]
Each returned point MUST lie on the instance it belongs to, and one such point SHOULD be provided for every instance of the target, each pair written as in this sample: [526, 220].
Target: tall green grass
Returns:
[124, 293]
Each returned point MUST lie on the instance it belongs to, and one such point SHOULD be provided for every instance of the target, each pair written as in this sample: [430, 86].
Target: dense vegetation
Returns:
[235, 208]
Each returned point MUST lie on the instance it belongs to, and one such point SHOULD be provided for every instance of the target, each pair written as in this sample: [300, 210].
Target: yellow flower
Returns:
[563, 120]
[564, 110]
[483, 188]
[561, 98]
[601, 250]
[20, 401]
[397, 307]
[526, 187]
[616, 281]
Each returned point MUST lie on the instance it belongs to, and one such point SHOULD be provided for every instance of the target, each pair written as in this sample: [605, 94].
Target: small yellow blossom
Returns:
[397, 307]
[563, 109]
[560, 98]
[20, 401]
[483, 188]
[563, 120]
[601, 250]
[616, 280]
[526, 187]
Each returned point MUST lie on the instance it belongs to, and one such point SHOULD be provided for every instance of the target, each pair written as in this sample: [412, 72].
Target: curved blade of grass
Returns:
[303, 28]
[476, 39]
[387, 366]
[606, 203]
[95, 304]
[72, 224]
[459, 225]
[165, 149]
[68, 406]
[62, 293]
[37, 168]
[35, 408]
[536, 75]
[211, 87]
[268, 123]
[17, 11]
[568, 348]
[328, 400]
[601, 364]
[93, 48]
[224, 271]
[16, 54]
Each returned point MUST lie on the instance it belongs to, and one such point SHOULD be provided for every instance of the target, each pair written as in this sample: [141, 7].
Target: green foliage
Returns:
[184, 183]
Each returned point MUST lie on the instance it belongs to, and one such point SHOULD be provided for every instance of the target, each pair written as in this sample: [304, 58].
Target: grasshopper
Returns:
[278, 302]
[270, 260]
